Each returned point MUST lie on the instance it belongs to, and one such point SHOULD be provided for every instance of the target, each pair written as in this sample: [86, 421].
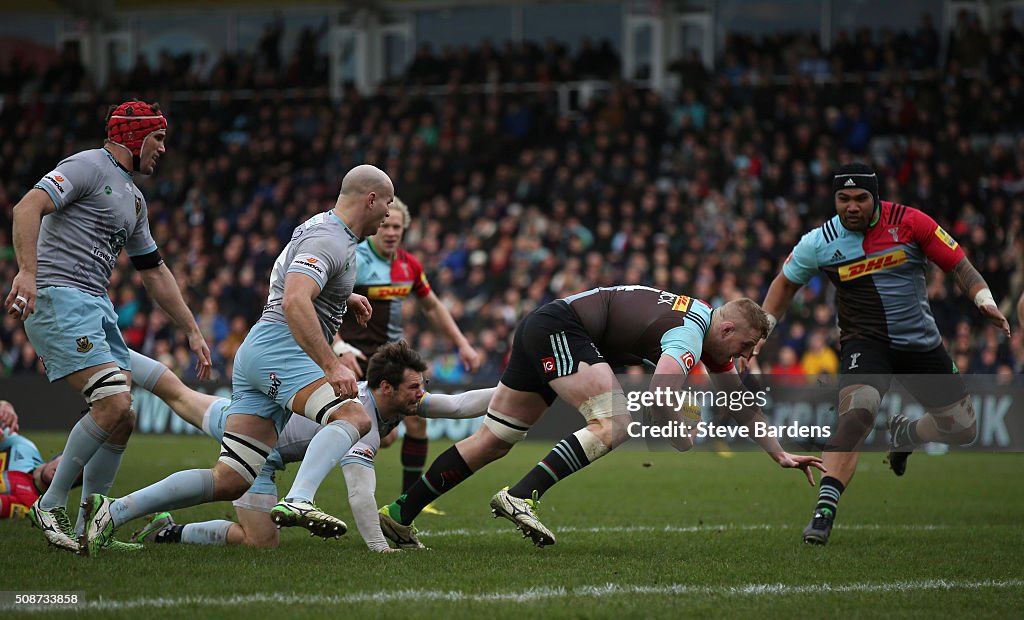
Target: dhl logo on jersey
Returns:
[400, 291]
[868, 266]
[681, 304]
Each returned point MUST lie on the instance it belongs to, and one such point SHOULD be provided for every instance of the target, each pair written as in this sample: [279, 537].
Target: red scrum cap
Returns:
[129, 124]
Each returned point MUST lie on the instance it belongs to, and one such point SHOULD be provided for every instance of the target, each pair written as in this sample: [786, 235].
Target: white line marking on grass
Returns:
[674, 529]
[535, 594]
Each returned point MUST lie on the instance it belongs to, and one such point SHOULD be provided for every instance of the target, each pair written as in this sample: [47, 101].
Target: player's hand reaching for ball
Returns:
[995, 317]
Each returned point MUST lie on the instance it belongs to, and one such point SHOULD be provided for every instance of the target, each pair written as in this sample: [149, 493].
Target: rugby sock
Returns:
[326, 448]
[206, 533]
[565, 458]
[908, 436]
[170, 534]
[84, 440]
[179, 490]
[444, 474]
[146, 371]
[99, 475]
[829, 490]
[414, 457]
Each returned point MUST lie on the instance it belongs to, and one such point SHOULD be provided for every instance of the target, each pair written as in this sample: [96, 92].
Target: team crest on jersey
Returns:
[868, 266]
[682, 303]
[548, 364]
[84, 346]
[117, 241]
[688, 361]
[946, 238]
[138, 206]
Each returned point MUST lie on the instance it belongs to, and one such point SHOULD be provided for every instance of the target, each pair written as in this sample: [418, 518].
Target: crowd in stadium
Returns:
[515, 203]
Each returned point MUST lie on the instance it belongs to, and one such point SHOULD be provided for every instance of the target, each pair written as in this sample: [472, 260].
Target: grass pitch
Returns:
[692, 535]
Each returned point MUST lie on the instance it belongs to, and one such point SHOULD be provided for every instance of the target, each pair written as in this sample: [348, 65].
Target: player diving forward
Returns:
[567, 348]
[394, 389]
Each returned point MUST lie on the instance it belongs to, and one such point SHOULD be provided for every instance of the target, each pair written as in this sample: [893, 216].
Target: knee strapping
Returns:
[322, 403]
[505, 428]
[955, 418]
[593, 447]
[604, 405]
[243, 454]
[861, 397]
[104, 384]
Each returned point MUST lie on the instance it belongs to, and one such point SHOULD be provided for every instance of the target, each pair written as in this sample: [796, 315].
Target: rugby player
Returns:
[394, 389]
[284, 364]
[567, 348]
[69, 230]
[875, 252]
[24, 475]
[386, 275]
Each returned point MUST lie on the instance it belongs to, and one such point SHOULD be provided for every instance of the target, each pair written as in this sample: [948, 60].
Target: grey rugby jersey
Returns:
[99, 213]
[323, 248]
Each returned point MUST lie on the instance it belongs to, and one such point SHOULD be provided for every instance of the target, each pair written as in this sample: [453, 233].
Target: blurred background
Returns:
[544, 148]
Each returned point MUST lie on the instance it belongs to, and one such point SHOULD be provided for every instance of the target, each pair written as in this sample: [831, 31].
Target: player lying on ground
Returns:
[567, 348]
[393, 390]
[875, 253]
[24, 475]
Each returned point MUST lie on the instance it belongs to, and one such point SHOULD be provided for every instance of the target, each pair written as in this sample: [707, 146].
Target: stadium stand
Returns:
[517, 200]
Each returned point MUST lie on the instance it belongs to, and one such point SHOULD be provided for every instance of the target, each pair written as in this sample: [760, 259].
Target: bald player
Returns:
[69, 230]
[285, 364]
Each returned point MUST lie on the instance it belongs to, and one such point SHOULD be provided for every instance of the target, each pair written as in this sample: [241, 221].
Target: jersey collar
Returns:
[373, 248]
[118, 165]
[345, 226]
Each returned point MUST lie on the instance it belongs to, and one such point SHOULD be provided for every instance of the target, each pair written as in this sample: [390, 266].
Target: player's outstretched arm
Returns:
[28, 218]
[471, 404]
[361, 481]
[443, 321]
[974, 286]
[730, 382]
[162, 287]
